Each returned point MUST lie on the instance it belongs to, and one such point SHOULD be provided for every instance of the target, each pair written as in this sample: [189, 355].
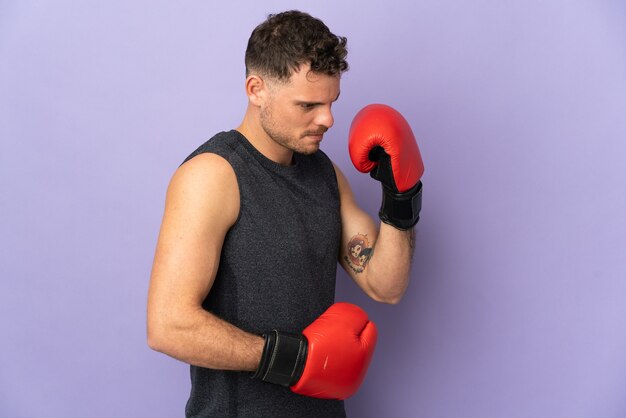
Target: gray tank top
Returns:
[277, 270]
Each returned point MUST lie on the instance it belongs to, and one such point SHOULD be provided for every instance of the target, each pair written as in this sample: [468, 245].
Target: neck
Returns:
[256, 135]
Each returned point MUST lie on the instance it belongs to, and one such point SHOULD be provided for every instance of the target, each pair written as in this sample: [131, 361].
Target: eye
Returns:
[307, 106]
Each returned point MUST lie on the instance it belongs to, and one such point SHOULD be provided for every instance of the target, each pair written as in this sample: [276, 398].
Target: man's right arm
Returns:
[202, 203]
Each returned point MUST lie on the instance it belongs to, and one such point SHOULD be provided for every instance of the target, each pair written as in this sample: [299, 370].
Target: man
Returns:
[255, 221]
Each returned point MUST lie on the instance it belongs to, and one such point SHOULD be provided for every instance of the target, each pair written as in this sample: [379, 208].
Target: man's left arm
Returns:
[382, 144]
[378, 259]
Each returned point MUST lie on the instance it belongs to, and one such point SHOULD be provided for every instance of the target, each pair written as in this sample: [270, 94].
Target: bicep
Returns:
[200, 208]
[358, 233]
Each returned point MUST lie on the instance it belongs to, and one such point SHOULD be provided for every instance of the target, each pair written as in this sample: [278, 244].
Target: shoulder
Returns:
[203, 183]
[222, 143]
[204, 163]
[206, 168]
[342, 182]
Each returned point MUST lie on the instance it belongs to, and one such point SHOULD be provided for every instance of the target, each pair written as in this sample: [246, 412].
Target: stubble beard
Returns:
[271, 127]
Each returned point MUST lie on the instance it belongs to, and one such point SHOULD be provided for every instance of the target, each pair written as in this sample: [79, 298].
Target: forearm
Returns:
[200, 338]
[387, 272]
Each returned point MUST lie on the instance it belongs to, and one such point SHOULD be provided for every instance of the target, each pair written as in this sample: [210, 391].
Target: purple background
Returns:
[517, 304]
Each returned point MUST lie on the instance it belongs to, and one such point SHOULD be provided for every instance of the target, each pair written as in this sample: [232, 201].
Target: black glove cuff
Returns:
[401, 210]
[283, 358]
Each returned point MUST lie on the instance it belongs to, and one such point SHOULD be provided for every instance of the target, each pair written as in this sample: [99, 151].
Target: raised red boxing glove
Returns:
[329, 360]
[382, 143]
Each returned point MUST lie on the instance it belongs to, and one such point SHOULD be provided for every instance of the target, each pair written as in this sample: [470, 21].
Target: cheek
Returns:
[298, 121]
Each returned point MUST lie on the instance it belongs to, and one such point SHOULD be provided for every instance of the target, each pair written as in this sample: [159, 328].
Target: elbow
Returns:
[159, 334]
[166, 331]
[154, 343]
[389, 299]
[393, 301]
[388, 289]
[155, 338]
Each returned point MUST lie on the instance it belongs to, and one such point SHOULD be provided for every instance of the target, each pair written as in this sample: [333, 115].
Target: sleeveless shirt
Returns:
[277, 271]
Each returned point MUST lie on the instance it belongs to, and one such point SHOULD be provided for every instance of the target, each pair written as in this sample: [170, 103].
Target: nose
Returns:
[325, 117]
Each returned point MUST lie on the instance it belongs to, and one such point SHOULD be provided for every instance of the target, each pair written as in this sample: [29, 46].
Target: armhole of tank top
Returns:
[238, 188]
[240, 200]
[333, 172]
[236, 179]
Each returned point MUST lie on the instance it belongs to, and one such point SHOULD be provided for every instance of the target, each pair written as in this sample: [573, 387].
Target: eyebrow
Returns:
[301, 102]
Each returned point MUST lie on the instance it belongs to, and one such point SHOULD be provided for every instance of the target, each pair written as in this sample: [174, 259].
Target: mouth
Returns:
[318, 136]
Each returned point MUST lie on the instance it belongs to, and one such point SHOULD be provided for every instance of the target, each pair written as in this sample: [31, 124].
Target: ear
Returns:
[256, 89]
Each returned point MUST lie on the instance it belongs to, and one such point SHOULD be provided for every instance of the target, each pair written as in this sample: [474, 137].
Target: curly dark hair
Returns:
[286, 40]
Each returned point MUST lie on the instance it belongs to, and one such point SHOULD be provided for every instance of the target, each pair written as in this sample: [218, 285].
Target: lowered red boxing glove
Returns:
[382, 143]
[329, 360]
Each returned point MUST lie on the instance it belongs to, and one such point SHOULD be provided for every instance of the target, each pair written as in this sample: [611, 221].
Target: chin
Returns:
[308, 150]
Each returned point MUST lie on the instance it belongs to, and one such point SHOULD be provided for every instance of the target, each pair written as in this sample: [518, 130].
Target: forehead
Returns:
[316, 86]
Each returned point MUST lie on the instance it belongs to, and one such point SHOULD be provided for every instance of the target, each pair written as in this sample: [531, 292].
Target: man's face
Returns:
[297, 113]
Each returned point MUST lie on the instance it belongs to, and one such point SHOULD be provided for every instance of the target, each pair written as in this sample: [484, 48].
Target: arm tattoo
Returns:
[359, 253]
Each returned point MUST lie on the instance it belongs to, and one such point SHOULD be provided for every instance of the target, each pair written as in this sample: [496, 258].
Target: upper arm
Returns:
[202, 203]
[358, 234]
